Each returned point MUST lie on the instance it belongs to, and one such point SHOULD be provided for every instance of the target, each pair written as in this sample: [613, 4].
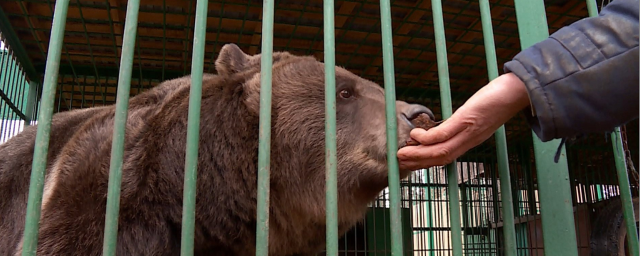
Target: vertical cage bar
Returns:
[39, 163]
[395, 195]
[510, 244]
[621, 170]
[22, 96]
[447, 111]
[4, 65]
[592, 8]
[31, 102]
[5, 93]
[330, 129]
[9, 93]
[193, 130]
[625, 192]
[558, 230]
[120, 123]
[264, 145]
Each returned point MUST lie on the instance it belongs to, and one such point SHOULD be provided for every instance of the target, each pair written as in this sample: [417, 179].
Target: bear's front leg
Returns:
[60, 235]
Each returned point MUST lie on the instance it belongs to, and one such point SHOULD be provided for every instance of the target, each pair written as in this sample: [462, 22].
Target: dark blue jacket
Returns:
[584, 77]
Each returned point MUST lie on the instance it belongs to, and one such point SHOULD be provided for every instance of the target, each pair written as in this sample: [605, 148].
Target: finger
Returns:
[412, 166]
[425, 156]
[438, 134]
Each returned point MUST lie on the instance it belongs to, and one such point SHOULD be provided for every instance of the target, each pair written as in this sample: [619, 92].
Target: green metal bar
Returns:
[331, 162]
[264, 144]
[395, 196]
[447, 111]
[559, 235]
[7, 95]
[621, 170]
[428, 213]
[22, 101]
[36, 184]
[120, 124]
[510, 244]
[4, 64]
[31, 102]
[193, 130]
[592, 8]
[37, 105]
[22, 96]
[625, 191]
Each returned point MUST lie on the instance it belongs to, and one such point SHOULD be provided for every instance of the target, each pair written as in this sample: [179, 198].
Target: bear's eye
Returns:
[345, 94]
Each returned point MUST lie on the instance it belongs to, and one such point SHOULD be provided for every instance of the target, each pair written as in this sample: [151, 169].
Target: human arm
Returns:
[473, 123]
[582, 79]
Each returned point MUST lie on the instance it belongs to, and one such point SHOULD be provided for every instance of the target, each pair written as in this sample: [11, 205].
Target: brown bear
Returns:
[75, 189]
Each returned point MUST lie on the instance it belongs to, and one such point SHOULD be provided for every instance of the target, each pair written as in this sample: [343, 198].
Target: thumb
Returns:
[445, 131]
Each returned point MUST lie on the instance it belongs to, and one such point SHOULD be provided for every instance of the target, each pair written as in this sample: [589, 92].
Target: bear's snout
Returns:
[411, 111]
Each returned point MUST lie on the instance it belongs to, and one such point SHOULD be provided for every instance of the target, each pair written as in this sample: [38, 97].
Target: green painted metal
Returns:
[9, 92]
[193, 131]
[331, 160]
[6, 86]
[3, 71]
[559, 234]
[510, 245]
[429, 215]
[7, 95]
[447, 111]
[395, 196]
[379, 237]
[264, 144]
[592, 8]
[120, 124]
[625, 192]
[39, 163]
[621, 170]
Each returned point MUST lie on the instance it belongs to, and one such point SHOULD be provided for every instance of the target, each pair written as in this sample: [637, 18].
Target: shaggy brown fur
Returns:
[72, 220]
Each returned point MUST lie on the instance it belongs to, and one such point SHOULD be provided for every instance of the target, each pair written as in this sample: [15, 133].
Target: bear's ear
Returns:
[231, 60]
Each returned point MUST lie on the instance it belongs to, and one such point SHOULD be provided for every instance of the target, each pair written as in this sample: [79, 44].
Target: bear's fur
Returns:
[75, 189]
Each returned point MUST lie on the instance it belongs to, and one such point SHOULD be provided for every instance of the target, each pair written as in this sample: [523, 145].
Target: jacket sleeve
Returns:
[584, 77]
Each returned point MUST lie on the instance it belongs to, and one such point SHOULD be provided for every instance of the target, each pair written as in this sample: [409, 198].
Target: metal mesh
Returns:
[15, 108]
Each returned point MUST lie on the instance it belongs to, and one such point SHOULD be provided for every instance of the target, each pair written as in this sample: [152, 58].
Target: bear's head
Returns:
[298, 128]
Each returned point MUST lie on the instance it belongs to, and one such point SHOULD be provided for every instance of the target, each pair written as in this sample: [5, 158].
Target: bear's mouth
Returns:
[423, 121]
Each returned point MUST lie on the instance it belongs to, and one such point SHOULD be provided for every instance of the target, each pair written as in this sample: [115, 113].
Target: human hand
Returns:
[473, 123]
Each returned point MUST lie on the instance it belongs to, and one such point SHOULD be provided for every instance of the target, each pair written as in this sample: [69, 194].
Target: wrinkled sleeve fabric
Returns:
[584, 77]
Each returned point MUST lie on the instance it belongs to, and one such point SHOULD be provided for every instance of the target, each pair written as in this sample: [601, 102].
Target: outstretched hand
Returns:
[473, 123]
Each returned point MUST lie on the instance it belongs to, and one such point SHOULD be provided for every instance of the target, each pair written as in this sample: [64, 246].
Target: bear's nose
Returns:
[412, 111]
